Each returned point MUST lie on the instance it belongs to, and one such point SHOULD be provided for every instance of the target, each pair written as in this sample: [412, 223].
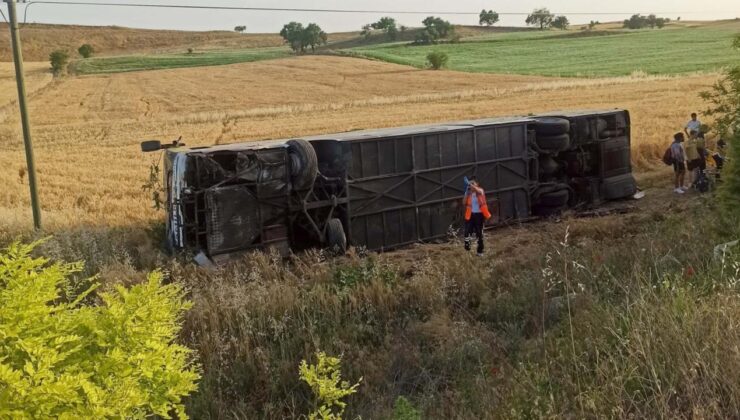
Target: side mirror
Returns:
[151, 145]
[154, 145]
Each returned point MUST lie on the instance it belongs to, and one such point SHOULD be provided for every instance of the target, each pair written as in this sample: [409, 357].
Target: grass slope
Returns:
[120, 64]
[40, 39]
[605, 53]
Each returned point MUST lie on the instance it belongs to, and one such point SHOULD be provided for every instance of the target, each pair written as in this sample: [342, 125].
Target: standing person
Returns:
[476, 214]
[693, 158]
[679, 165]
[693, 125]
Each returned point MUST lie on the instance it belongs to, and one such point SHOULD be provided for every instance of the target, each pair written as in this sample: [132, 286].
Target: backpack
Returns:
[668, 157]
[702, 182]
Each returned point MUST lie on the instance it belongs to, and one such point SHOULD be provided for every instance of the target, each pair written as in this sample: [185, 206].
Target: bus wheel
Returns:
[303, 164]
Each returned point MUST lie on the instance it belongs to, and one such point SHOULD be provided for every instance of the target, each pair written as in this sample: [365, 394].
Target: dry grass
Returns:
[459, 336]
[39, 40]
[87, 129]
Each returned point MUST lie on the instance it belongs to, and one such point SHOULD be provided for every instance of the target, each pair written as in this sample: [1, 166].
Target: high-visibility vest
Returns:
[481, 204]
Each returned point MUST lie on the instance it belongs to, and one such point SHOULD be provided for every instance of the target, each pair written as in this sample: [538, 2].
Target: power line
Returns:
[290, 9]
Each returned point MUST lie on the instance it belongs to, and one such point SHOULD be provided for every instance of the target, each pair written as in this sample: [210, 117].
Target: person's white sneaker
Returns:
[684, 189]
[679, 191]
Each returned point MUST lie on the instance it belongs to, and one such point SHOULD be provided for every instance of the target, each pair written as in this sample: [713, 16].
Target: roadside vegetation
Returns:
[555, 321]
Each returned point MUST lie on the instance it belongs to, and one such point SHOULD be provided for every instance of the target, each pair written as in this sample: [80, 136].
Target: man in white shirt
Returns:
[693, 125]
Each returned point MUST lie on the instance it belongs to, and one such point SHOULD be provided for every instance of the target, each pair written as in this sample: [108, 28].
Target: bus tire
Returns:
[304, 164]
[551, 126]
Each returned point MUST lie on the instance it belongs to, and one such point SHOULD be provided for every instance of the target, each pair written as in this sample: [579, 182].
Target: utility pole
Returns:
[18, 60]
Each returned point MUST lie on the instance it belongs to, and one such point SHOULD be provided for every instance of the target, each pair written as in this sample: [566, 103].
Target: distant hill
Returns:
[40, 39]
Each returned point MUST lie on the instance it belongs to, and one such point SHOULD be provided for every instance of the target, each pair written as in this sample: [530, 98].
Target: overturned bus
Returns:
[382, 189]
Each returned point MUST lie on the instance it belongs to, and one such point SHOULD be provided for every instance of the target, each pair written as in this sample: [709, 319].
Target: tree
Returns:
[86, 50]
[434, 29]
[540, 17]
[561, 22]
[651, 21]
[241, 29]
[437, 59]
[59, 60]
[660, 22]
[62, 356]
[367, 31]
[724, 106]
[313, 36]
[488, 18]
[635, 22]
[292, 33]
[299, 37]
[387, 25]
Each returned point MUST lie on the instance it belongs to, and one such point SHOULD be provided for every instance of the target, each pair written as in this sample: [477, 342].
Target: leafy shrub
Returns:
[61, 357]
[437, 59]
[561, 22]
[325, 380]
[86, 50]
[59, 60]
[724, 100]
[403, 410]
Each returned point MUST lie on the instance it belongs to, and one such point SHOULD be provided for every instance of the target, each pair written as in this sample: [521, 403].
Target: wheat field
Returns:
[87, 129]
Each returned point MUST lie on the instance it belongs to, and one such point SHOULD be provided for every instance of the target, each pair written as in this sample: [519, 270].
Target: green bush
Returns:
[59, 60]
[62, 357]
[436, 59]
[86, 50]
[724, 101]
[403, 410]
[325, 380]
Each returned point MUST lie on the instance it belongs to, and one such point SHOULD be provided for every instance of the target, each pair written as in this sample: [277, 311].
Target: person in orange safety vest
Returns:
[476, 214]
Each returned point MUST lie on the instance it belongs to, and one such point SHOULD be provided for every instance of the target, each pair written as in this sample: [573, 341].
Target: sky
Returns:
[264, 21]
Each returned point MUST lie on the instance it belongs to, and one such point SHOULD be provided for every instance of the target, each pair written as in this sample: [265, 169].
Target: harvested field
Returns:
[87, 129]
[40, 39]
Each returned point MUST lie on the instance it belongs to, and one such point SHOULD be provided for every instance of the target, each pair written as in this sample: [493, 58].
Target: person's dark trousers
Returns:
[474, 226]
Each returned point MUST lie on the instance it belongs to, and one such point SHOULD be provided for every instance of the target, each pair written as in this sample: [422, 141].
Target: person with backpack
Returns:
[676, 156]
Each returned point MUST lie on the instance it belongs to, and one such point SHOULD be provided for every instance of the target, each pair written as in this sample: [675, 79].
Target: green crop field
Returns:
[125, 63]
[574, 53]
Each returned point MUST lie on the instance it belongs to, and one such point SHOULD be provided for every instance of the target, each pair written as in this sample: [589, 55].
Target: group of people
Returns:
[688, 152]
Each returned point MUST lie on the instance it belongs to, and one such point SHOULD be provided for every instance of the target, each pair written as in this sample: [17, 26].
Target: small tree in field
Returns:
[63, 358]
[435, 29]
[387, 25]
[241, 29]
[300, 37]
[488, 18]
[561, 22]
[540, 17]
[437, 59]
[59, 60]
[86, 50]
